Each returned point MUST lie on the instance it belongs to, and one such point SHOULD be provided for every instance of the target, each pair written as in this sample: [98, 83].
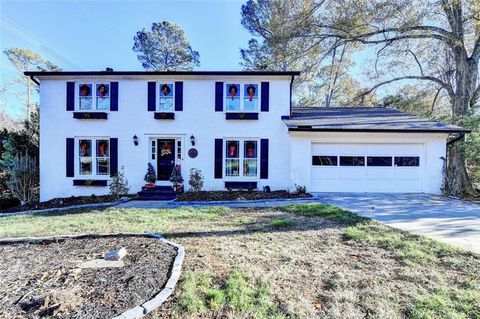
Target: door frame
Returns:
[179, 155]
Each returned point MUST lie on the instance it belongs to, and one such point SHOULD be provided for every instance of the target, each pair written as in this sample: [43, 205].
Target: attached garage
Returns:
[367, 168]
[367, 150]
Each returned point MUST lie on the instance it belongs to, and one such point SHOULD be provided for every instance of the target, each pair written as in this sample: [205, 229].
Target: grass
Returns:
[234, 296]
[297, 261]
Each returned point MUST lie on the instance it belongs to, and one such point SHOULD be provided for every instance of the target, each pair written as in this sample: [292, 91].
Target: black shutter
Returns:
[218, 157]
[264, 158]
[70, 96]
[218, 96]
[265, 99]
[178, 96]
[113, 96]
[151, 96]
[113, 156]
[70, 156]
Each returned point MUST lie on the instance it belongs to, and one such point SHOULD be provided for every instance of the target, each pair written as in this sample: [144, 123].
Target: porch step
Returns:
[156, 193]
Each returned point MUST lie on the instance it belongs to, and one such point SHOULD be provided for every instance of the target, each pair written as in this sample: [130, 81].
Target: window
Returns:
[179, 150]
[241, 97]
[352, 161]
[324, 160]
[379, 161]
[165, 98]
[407, 161]
[94, 162]
[154, 149]
[102, 96]
[241, 158]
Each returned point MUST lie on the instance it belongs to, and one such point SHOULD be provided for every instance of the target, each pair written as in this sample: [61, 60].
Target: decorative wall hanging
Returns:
[232, 90]
[251, 91]
[86, 90]
[102, 90]
[165, 89]
[192, 152]
[166, 149]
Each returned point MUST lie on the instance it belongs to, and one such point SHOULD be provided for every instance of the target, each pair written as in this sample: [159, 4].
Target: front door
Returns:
[165, 158]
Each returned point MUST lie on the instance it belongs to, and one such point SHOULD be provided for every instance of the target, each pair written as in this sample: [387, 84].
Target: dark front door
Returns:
[165, 159]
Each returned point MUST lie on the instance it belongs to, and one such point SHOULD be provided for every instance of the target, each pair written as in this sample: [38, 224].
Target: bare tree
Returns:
[23, 181]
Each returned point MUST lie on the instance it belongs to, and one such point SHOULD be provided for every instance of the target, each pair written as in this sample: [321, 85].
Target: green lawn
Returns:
[300, 261]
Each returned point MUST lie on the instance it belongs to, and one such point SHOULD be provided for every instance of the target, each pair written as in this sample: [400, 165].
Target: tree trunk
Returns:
[465, 79]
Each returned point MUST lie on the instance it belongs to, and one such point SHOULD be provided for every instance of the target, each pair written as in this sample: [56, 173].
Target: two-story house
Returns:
[237, 127]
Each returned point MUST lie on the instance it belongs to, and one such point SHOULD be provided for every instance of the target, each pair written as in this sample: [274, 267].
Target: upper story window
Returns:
[94, 156]
[94, 96]
[165, 97]
[241, 97]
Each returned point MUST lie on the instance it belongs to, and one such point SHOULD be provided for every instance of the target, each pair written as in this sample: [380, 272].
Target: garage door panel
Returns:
[406, 173]
[367, 178]
[325, 172]
[379, 173]
[351, 173]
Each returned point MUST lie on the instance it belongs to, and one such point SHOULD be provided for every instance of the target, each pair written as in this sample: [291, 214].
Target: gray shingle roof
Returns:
[363, 119]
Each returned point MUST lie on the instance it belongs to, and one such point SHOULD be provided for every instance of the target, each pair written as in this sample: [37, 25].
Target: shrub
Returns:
[150, 177]
[195, 179]
[301, 189]
[119, 184]
[23, 180]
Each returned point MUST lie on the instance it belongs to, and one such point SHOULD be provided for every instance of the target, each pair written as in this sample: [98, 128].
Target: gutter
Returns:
[291, 85]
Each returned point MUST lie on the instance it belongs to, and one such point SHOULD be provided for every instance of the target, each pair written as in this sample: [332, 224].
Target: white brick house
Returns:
[238, 128]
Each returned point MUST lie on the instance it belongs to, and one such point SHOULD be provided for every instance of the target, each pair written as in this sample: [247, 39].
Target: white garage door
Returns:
[393, 168]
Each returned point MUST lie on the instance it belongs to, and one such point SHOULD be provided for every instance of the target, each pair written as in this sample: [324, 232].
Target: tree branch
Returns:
[411, 77]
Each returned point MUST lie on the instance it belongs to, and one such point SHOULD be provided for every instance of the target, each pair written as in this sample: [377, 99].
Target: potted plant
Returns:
[176, 179]
[150, 177]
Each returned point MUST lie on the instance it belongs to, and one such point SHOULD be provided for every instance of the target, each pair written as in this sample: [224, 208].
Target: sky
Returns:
[93, 35]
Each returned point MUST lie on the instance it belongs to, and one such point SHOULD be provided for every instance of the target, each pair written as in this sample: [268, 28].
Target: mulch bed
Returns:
[63, 202]
[40, 280]
[237, 195]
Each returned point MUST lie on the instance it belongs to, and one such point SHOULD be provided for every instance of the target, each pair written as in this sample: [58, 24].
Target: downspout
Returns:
[291, 85]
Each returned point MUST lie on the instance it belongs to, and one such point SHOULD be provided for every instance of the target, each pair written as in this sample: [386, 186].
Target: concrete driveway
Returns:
[449, 220]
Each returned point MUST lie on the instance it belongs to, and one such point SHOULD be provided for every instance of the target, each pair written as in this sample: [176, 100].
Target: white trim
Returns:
[177, 137]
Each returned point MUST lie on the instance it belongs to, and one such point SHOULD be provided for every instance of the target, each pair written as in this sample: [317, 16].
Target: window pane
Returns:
[165, 103]
[103, 96]
[352, 161]
[233, 97]
[231, 167]
[232, 149]
[250, 97]
[250, 167]
[85, 147]
[324, 160]
[179, 150]
[379, 161]
[85, 92]
[103, 166]
[103, 148]
[85, 166]
[250, 149]
[407, 161]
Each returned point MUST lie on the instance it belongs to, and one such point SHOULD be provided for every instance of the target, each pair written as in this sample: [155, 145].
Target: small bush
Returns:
[119, 184]
[195, 180]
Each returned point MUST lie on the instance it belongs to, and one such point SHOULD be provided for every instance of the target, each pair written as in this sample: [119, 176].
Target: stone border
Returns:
[148, 306]
[60, 209]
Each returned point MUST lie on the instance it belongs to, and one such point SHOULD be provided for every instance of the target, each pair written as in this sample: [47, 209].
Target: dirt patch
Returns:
[64, 202]
[42, 280]
[237, 195]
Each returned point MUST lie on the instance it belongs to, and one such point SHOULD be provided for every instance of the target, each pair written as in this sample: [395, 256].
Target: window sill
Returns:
[89, 182]
[241, 185]
[90, 115]
[164, 115]
[241, 116]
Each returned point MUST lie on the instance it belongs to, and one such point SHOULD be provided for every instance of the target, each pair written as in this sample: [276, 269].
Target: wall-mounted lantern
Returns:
[135, 140]
[192, 139]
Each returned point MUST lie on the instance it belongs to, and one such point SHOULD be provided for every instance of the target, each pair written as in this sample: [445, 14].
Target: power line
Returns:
[30, 38]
